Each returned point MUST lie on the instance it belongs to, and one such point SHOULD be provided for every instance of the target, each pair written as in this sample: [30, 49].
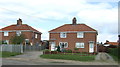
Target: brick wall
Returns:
[72, 39]
[28, 35]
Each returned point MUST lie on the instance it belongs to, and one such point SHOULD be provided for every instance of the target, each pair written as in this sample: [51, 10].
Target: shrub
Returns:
[46, 50]
[58, 48]
[54, 52]
[68, 51]
[114, 53]
[76, 48]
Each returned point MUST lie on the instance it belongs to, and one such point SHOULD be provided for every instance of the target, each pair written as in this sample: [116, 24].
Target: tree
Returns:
[17, 39]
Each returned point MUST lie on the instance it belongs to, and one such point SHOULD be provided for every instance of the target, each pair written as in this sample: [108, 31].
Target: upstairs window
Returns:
[63, 35]
[6, 33]
[80, 34]
[36, 35]
[18, 33]
[79, 45]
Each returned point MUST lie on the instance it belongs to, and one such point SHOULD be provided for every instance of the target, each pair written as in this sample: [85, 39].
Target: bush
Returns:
[68, 51]
[58, 48]
[46, 50]
[114, 53]
[54, 52]
[76, 48]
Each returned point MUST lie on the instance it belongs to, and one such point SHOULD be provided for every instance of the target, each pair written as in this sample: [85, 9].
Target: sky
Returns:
[45, 15]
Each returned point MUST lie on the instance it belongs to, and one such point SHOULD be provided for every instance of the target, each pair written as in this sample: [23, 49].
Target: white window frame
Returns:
[81, 45]
[36, 35]
[80, 34]
[6, 33]
[64, 43]
[18, 33]
[63, 34]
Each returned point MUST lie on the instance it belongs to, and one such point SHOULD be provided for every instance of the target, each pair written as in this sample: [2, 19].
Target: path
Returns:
[32, 58]
[104, 57]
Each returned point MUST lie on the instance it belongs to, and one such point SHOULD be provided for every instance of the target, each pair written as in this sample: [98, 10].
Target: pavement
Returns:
[33, 58]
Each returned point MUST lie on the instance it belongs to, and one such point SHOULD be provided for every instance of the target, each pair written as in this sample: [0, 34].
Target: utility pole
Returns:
[119, 40]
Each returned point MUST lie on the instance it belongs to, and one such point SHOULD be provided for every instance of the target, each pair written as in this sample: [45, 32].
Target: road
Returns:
[32, 58]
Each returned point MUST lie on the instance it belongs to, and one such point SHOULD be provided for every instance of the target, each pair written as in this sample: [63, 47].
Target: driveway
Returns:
[32, 58]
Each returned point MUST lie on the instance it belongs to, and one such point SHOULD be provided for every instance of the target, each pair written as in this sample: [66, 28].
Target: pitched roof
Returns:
[19, 27]
[71, 27]
[112, 43]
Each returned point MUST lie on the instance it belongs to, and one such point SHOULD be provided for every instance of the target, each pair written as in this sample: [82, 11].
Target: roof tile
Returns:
[71, 27]
[19, 27]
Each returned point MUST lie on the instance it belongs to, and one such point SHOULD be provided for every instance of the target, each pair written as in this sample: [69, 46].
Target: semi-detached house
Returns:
[71, 36]
[32, 35]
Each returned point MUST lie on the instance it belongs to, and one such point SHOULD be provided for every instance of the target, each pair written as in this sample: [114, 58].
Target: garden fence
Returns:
[11, 48]
[20, 48]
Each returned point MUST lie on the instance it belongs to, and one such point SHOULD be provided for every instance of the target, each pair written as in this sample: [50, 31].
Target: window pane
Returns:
[36, 35]
[79, 45]
[18, 33]
[82, 45]
[63, 35]
[80, 35]
[65, 45]
[6, 33]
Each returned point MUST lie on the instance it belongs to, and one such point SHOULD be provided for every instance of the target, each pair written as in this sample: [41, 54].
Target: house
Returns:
[111, 44]
[32, 35]
[101, 47]
[71, 36]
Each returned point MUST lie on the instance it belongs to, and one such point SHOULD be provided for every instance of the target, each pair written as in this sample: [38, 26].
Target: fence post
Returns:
[21, 46]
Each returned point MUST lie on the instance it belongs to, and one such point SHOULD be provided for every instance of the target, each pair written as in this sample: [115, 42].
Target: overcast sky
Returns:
[45, 15]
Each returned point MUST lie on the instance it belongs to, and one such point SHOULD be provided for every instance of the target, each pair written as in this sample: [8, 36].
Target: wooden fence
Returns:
[12, 48]
[20, 48]
[33, 48]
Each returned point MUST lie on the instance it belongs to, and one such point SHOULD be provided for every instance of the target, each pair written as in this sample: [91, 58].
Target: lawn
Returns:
[69, 57]
[8, 54]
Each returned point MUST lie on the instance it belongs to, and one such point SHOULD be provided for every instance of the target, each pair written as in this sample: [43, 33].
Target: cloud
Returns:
[45, 15]
[44, 32]
[106, 36]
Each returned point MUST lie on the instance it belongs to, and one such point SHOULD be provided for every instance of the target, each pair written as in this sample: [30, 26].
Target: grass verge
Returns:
[68, 57]
[8, 54]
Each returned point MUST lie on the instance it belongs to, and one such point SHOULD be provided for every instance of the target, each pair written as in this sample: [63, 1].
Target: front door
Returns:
[52, 46]
[91, 47]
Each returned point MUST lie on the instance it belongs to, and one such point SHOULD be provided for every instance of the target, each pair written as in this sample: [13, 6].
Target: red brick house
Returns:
[32, 35]
[111, 44]
[71, 36]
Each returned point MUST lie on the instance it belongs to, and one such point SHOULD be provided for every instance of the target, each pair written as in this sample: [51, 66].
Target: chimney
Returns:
[107, 41]
[74, 21]
[19, 21]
